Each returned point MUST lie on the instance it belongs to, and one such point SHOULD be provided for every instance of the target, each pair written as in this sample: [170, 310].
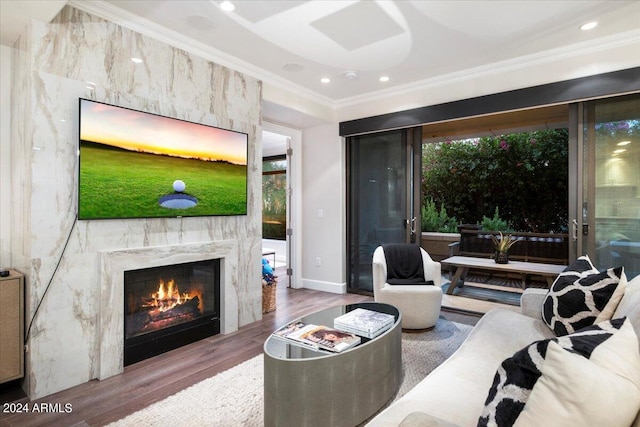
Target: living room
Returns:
[70, 337]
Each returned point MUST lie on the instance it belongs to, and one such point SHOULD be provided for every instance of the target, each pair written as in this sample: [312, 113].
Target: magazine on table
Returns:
[365, 322]
[317, 337]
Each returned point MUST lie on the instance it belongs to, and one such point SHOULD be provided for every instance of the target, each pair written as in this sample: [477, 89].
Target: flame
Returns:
[168, 296]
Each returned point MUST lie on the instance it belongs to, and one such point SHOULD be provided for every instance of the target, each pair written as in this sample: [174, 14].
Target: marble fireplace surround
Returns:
[114, 263]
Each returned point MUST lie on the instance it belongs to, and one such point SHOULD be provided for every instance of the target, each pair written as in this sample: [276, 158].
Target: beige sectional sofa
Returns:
[454, 394]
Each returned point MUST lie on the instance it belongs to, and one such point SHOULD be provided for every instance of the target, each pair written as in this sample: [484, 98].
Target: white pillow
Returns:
[630, 300]
[589, 378]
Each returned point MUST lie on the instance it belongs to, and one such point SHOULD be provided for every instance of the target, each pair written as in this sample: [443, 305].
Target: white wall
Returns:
[323, 209]
[5, 169]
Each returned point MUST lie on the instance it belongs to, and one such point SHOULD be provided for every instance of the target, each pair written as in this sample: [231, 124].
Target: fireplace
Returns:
[169, 306]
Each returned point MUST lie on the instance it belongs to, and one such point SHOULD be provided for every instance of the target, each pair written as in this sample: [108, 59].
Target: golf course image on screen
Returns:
[139, 165]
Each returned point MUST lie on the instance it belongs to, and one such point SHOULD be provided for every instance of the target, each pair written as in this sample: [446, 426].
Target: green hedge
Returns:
[525, 175]
[437, 220]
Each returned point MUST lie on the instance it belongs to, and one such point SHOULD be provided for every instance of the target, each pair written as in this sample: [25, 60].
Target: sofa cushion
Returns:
[591, 377]
[456, 390]
[581, 296]
[422, 419]
[531, 302]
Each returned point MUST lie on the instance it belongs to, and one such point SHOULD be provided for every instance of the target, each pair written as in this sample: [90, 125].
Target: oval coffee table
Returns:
[306, 387]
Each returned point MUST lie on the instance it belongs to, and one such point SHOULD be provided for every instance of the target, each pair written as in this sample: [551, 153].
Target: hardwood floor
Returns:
[97, 403]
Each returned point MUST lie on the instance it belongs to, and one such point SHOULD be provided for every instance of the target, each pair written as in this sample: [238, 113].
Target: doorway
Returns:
[382, 198]
[608, 223]
[274, 209]
[280, 245]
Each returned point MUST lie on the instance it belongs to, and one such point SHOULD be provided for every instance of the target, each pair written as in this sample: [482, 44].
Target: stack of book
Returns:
[317, 337]
[363, 322]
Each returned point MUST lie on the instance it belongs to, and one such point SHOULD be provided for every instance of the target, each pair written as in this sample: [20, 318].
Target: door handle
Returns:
[410, 223]
[412, 236]
[575, 230]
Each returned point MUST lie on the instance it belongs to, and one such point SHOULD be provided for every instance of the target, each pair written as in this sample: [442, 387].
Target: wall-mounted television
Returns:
[135, 164]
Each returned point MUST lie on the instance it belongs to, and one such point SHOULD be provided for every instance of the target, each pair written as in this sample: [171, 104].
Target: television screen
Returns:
[140, 165]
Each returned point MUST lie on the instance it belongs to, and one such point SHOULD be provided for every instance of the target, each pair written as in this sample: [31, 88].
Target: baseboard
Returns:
[318, 285]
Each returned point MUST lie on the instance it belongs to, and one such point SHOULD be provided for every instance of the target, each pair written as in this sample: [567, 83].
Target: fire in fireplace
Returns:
[164, 308]
[170, 306]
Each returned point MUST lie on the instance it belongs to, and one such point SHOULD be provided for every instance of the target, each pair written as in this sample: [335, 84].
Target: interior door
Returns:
[382, 198]
[289, 231]
[608, 226]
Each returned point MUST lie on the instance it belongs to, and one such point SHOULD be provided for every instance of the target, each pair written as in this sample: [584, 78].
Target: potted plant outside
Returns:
[502, 244]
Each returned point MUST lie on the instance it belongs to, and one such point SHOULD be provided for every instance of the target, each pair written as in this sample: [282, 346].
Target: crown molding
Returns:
[144, 26]
[628, 38]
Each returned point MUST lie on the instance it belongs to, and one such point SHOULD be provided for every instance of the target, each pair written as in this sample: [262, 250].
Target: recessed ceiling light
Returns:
[623, 143]
[384, 79]
[325, 80]
[589, 26]
[136, 60]
[227, 6]
[619, 150]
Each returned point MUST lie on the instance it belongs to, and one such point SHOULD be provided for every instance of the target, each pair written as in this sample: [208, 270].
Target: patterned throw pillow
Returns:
[589, 378]
[582, 296]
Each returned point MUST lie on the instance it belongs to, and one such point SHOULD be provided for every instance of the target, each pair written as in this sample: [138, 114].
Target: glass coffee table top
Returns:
[278, 348]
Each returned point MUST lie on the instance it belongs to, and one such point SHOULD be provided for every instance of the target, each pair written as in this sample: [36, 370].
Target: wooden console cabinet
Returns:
[11, 327]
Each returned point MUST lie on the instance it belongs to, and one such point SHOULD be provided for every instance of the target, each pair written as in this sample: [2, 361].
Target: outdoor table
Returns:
[463, 263]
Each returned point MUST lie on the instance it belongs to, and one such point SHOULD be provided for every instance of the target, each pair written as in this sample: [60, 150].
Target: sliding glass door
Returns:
[608, 225]
[382, 206]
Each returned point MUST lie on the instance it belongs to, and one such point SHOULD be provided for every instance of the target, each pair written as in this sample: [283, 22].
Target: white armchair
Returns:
[419, 304]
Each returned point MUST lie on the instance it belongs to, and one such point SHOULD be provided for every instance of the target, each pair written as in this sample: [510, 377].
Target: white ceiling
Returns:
[300, 42]
[295, 43]
[292, 44]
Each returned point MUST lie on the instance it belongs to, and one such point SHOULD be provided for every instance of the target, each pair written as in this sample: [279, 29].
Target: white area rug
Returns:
[234, 397]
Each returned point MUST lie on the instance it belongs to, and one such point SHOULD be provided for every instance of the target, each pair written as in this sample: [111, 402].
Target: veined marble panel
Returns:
[79, 55]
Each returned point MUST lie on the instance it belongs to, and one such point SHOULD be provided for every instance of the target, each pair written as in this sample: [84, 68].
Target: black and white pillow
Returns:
[591, 377]
[582, 296]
